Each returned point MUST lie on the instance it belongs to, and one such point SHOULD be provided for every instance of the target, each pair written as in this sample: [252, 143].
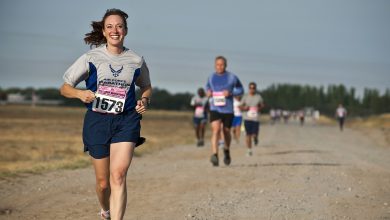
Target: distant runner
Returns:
[252, 103]
[341, 113]
[221, 87]
[237, 120]
[272, 115]
[301, 115]
[200, 104]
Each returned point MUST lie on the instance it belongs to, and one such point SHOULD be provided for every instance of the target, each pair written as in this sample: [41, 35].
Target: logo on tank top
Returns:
[116, 73]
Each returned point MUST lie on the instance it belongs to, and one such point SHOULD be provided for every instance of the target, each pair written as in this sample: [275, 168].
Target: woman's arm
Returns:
[68, 91]
[146, 93]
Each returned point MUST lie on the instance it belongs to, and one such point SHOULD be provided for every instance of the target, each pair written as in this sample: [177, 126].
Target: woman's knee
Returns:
[118, 176]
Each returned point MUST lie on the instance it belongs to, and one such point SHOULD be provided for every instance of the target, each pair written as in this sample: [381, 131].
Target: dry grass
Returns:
[370, 124]
[48, 138]
[378, 121]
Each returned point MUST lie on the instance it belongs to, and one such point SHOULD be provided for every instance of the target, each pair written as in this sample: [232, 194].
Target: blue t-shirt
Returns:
[220, 82]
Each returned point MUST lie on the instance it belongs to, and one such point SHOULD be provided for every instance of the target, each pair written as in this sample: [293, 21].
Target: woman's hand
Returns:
[141, 107]
[86, 96]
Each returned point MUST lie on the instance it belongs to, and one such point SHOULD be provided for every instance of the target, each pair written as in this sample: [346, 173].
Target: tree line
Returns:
[283, 96]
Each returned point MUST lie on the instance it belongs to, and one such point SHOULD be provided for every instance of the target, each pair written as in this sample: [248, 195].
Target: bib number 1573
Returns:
[108, 104]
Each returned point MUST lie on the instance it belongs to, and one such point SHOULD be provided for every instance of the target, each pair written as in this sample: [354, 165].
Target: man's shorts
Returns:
[226, 118]
[100, 130]
[237, 121]
[251, 127]
[198, 121]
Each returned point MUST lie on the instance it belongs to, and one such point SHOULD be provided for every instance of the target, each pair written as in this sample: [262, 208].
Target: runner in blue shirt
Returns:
[221, 87]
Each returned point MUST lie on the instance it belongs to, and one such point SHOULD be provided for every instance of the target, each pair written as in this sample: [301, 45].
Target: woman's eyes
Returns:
[118, 26]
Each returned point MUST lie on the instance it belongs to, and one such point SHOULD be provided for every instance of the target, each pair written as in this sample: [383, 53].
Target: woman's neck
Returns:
[115, 50]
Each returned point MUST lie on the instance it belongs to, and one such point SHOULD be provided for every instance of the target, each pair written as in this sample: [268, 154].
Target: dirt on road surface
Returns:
[310, 172]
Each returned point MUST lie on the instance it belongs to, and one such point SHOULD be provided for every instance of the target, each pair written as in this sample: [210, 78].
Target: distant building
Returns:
[16, 98]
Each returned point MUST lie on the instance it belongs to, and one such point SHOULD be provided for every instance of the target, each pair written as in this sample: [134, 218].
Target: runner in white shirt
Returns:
[272, 114]
[341, 113]
[252, 103]
[200, 104]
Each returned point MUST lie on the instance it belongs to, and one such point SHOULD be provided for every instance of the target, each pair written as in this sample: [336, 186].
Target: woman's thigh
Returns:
[121, 155]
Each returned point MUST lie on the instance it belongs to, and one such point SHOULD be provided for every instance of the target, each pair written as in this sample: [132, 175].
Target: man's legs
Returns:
[216, 129]
[227, 122]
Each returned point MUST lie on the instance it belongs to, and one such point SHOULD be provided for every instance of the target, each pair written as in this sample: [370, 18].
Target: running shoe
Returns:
[221, 144]
[256, 141]
[227, 160]
[249, 153]
[105, 215]
[214, 160]
[201, 144]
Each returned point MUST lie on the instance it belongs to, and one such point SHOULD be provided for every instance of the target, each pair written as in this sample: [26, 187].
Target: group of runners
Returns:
[112, 128]
[224, 104]
[278, 115]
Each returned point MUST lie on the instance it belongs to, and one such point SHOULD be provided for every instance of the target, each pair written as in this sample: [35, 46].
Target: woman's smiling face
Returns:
[114, 30]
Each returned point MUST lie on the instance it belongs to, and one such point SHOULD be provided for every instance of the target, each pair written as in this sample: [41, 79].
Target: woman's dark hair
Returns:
[95, 37]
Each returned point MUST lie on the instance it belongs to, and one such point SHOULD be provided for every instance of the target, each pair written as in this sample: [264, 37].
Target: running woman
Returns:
[200, 104]
[252, 103]
[221, 87]
[112, 121]
[341, 113]
[237, 120]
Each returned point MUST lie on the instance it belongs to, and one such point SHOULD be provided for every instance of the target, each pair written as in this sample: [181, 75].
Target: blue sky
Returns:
[304, 41]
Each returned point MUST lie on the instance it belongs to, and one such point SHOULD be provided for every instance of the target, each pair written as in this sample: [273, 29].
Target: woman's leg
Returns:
[120, 159]
[102, 173]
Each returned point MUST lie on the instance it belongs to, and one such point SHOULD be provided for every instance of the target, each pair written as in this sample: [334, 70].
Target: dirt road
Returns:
[310, 172]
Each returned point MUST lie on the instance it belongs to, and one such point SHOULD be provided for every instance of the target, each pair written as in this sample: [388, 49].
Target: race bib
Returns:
[219, 99]
[109, 100]
[253, 112]
[199, 112]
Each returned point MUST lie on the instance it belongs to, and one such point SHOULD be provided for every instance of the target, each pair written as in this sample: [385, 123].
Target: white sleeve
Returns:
[77, 72]
[143, 79]
[193, 101]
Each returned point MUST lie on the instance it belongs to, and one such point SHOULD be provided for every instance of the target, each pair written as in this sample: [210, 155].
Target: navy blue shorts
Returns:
[251, 127]
[101, 130]
[198, 121]
[237, 121]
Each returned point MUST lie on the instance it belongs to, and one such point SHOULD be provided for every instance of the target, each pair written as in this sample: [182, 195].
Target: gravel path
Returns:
[310, 172]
